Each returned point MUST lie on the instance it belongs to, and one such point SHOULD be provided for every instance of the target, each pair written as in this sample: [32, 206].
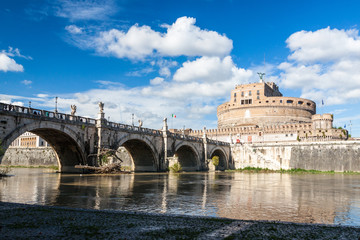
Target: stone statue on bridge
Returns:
[140, 123]
[165, 126]
[73, 109]
[101, 107]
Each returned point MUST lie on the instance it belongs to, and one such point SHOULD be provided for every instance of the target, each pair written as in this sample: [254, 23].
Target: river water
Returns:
[309, 198]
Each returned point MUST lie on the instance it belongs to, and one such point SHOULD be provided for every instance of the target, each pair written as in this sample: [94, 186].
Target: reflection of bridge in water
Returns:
[74, 138]
[330, 199]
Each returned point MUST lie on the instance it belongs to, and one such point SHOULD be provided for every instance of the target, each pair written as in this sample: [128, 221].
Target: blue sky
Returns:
[157, 58]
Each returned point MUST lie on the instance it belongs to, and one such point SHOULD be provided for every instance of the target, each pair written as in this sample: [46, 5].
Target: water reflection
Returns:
[297, 198]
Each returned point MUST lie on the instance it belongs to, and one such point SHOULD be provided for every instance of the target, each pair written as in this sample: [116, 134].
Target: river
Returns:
[308, 198]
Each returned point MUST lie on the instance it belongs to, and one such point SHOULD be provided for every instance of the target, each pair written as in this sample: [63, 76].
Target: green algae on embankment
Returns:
[290, 171]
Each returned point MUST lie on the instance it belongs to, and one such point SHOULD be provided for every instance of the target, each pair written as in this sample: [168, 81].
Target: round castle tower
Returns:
[262, 104]
[324, 121]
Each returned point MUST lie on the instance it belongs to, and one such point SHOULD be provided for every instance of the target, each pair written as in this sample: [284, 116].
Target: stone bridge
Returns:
[75, 138]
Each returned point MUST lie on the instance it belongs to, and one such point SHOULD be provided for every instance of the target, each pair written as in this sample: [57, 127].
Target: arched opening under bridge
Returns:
[187, 158]
[67, 151]
[222, 159]
[142, 156]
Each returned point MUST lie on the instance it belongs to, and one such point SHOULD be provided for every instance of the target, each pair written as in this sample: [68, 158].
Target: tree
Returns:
[215, 161]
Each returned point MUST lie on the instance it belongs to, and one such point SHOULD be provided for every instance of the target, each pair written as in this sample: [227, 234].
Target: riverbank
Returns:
[20, 221]
[290, 171]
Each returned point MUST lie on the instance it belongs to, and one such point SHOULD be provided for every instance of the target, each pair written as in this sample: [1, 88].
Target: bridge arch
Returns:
[188, 157]
[223, 159]
[66, 143]
[143, 153]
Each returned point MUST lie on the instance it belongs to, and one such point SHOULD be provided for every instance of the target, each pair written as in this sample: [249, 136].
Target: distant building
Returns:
[258, 112]
[29, 140]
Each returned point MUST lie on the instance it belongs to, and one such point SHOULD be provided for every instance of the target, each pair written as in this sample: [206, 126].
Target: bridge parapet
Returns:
[211, 141]
[185, 137]
[130, 128]
[39, 113]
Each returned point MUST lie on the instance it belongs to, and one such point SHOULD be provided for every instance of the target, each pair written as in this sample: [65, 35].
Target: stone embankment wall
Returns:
[30, 157]
[323, 156]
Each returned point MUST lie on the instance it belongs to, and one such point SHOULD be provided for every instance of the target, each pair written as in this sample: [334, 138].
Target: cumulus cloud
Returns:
[211, 69]
[9, 64]
[324, 64]
[324, 45]
[182, 38]
[156, 81]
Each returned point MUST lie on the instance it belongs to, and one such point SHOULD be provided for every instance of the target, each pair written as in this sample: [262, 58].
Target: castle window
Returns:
[234, 94]
[259, 102]
[249, 93]
[250, 101]
[258, 92]
[300, 102]
[273, 100]
[286, 135]
[280, 101]
[309, 104]
[242, 94]
[289, 101]
[242, 102]
[258, 97]
[267, 101]
[234, 99]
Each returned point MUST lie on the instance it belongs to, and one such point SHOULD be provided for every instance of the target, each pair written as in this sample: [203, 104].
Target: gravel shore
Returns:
[20, 221]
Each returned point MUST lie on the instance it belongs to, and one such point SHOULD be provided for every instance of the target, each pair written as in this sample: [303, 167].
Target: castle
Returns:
[258, 112]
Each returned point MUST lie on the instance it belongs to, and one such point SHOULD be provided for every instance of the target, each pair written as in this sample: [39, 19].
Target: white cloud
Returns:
[165, 66]
[324, 64]
[324, 45]
[190, 100]
[211, 69]
[41, 95]
[165, 71]
[74, 29]
[156, 81]
[15, 52]
[182, 38]
[141, 72]
[26, 82]
[85, 9]
[9, 64]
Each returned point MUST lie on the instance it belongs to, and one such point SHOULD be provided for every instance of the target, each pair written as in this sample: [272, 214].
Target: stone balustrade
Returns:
[39, 113]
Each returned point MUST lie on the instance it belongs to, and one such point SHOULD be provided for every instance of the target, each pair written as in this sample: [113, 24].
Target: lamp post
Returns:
[132, 119]
[56, 98]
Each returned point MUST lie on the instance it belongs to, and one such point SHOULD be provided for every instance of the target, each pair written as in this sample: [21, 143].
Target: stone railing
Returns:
[33, 112]
[131, 128]
[185, 137]
[216, 142]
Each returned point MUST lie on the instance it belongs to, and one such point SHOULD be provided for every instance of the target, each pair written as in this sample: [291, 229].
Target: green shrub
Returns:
[215, 161]
[176, 168]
